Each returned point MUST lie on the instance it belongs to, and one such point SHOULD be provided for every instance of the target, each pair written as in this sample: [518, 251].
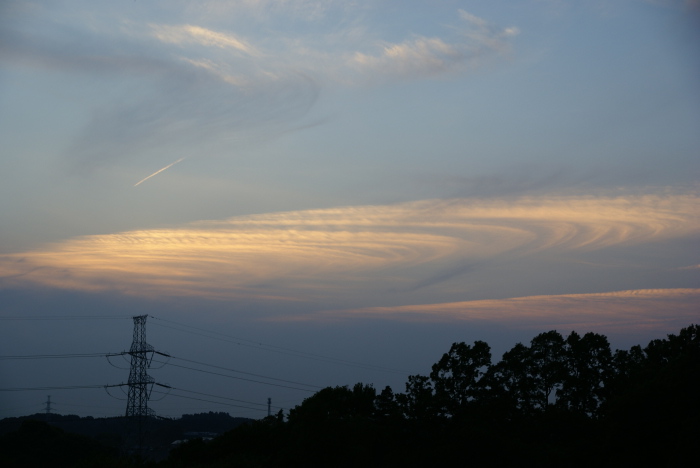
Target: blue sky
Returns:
[342, 177]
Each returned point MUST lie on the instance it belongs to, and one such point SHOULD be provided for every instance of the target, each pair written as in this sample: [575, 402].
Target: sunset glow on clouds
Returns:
[188, 33]
[430, 56]
[309, 253]
[349, 176]
[470, 40]
[626, 312]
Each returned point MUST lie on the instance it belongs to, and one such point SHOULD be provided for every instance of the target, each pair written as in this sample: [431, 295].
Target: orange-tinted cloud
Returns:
[620, 311]
[196, 34]
[304, 254]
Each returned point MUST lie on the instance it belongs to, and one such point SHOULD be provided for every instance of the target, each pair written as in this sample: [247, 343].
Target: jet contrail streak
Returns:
[158, 172]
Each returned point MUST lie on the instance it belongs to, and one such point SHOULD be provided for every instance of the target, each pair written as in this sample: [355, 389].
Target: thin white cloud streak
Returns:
[619, 311]
[306, 10]
[308, 255]
[172, 95]
[190, 83]
[429, 56]
[421, 56]
[196, 34]
[158, 172]
[413, 58]
[689, 4]
[487, 34]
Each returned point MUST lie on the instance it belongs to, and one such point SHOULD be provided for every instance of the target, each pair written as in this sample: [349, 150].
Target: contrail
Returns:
[158, 172]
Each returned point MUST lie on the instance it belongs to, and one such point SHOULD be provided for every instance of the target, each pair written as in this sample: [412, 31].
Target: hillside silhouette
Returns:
[556, 401]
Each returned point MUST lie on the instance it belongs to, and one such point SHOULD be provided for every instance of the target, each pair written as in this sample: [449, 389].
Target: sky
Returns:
[314, 193]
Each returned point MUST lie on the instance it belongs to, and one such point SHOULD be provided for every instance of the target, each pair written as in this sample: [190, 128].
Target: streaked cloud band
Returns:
[198, 35]
[303, 254]
[618, 311]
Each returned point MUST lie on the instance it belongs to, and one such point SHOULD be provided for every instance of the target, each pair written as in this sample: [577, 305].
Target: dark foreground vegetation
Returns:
[559, 401]
[56, 441]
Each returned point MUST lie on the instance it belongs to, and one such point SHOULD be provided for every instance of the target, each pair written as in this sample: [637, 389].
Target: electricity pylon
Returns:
[140, 383]
[48, 408]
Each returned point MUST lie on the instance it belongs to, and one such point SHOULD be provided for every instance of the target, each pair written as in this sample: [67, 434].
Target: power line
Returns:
[64, 317]
[276, 349]
[188, 329]
[140, 383]
[209, 401]
[227, 369]
[218, 336]
[80, 387]
[86, 355]
[68, 387]
[223, 398]
[61, 404]
[243, 378]
[246, 373]
[53, 356]
[202, 394]
[140, 379]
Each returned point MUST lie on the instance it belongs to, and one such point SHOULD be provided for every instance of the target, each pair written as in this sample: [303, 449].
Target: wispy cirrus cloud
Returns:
[421, 56]
[690, 4]
[306, 10]
[179, 84]
[315, 254]
[355, 60]
[663, 310]
[168, 91]
[485, 34]
[198, 35]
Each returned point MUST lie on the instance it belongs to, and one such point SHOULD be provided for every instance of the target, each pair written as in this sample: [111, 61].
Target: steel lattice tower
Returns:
[140, 383]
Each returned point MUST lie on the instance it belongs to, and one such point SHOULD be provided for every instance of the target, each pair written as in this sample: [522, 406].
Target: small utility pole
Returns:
[48, 408]
[269, 402]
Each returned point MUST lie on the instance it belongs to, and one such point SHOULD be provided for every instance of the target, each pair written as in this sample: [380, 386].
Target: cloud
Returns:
[689, 4]
[315, 254]
[423, 56]
[177, 85]
[167, 91]
[618, 311]
[347, 54]
[187, 108]
[202, 36]
[486, 34]
[306, 10]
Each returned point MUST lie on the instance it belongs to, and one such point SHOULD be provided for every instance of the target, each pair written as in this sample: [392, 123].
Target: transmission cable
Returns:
[54, 356]
[171, 388]
[65, 317]
[243, 378]
[211, 401]
[246, 373]
[225, 398]
[274, 348]
[70, 387]
[123, 353]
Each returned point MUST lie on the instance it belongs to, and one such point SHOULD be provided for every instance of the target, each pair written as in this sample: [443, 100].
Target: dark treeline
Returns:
[69, 440]
[159, 429]
[558, 401]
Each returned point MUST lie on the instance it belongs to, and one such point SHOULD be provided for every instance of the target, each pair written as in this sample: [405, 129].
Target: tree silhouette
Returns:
[557, 402]
[547, 366]
[510, 381]
[456, 376]
[587, 370]
[335, 403]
